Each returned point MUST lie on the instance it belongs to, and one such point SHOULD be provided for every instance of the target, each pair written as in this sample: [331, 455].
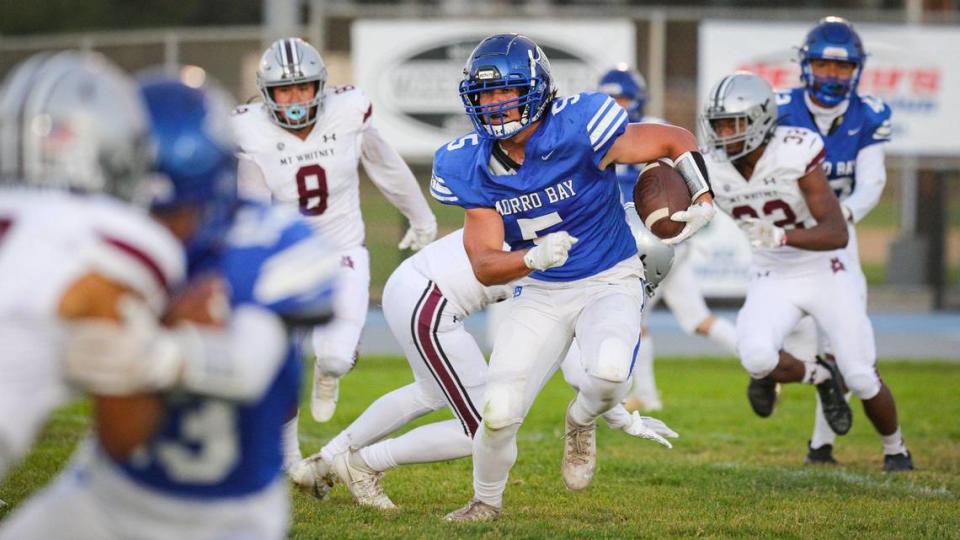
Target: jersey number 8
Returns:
[312, 190]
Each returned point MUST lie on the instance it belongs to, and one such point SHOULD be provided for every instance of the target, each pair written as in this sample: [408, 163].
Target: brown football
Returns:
[659, 193]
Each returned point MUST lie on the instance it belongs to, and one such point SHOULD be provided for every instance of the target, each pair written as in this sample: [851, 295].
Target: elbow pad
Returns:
[693, 169]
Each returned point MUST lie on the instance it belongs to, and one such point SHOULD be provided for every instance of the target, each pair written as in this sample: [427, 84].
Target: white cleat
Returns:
[474, 511]
[314, 476]
[362, 481]
[579, 454]
[323, 400]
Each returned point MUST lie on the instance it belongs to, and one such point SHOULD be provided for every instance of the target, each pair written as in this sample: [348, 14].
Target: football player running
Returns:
[854, 128]
[301, 147]
[679, 288]
[770, 179]
[213, 467]
[73, 149]
[536, 173]
[425, 301]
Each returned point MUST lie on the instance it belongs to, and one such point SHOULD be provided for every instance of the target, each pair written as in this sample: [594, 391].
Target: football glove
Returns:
[647, 427]
[763, 234]
[417, 238]
[696, 217]
[551, 250]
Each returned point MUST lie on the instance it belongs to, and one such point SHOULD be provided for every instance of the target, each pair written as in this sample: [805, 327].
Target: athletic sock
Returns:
[893, 443]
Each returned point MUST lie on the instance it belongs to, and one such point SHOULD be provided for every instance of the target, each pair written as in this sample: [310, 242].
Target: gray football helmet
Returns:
[292, 61]
[657, 257]
[747, 99]
[72, 120]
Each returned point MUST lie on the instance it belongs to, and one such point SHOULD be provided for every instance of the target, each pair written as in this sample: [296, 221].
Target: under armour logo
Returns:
[330, 137]
[836, 265]
[346, 261]
[280, 146]
[769, 181]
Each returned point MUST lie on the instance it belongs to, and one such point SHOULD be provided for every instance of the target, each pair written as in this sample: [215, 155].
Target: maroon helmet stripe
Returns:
[140, 256]
[425, 319]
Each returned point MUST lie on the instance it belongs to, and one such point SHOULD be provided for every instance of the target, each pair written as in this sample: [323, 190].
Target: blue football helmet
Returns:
[195, 165]
[622, 81]
[506, 61]
[833, 38]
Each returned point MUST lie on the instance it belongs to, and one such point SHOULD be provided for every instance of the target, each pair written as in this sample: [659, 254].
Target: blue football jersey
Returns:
[865, 122]
[559, 186]
[213, 448]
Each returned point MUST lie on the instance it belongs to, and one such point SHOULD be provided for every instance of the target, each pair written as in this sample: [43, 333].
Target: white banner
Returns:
[912, 68]
[411, 70]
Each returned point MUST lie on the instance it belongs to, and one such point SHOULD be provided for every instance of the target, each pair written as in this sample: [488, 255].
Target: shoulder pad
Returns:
[451, 181]
[799, 148]
[876, 126]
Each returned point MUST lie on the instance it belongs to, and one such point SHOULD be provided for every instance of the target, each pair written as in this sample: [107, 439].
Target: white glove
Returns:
[417, 238]
[551, 250]
[132, 356]
[647, 427]
[696, 217]
[763, 234]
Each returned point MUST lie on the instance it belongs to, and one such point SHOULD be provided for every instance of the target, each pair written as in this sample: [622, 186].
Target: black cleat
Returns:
[897, 462]
[836, 410]
[820, 456]
[762, 394]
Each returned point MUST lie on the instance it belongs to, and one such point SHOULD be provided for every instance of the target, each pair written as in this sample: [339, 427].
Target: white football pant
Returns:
[831, 296]
[335, 343]
[92, 500]
[603, 312]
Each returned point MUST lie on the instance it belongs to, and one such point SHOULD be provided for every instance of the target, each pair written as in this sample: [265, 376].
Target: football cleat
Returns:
[474, 511]
[836, 410]
[820, 456]
[323, 400]
[897, 462]
[579, 454]
[762, 394]
[362, 481]
[313, 475]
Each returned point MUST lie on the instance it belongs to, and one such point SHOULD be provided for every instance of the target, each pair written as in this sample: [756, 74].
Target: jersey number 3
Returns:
[312, 190]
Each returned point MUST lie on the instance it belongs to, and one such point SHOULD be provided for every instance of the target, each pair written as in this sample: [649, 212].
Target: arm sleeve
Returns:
[239, 362]
[251, 183]
[394, 179]
[871, 177]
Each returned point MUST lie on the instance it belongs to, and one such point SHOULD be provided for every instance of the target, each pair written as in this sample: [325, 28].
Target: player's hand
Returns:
[418, 237]
[696, 216]
[135, 355]
[648, 427]
[552, 250]
[763, 234]
[203, 301]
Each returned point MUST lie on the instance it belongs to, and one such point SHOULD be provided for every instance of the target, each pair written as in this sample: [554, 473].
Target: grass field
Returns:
[730, 473]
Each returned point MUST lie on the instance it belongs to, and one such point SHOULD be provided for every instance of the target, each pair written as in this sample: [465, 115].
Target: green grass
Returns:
[730, 473]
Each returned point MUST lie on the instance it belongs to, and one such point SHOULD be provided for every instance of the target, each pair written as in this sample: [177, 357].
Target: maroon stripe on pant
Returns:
[424, 334]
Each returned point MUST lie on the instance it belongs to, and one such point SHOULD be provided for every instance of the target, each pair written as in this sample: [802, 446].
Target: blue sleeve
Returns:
[599, 122]
[451, 181]
[876, 126]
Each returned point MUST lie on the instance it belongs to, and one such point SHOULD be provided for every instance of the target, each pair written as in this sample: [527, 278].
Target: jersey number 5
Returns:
[312, 190]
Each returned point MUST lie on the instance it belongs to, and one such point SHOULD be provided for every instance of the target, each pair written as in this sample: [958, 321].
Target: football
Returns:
[659, 192]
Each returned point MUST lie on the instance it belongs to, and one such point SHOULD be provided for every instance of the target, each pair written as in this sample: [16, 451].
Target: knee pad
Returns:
[758, 359]
[614, 361]
[335, 366]
[502, 408]
[864, 384]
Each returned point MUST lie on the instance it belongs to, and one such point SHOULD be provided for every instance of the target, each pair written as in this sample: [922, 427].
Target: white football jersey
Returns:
[773, 193]
[446, 263]
[318, 176]
[48, 239]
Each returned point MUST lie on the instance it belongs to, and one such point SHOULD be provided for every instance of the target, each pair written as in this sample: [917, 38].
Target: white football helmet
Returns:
[292, 61]
[72, 120]
[657, 256]
[747, 99]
